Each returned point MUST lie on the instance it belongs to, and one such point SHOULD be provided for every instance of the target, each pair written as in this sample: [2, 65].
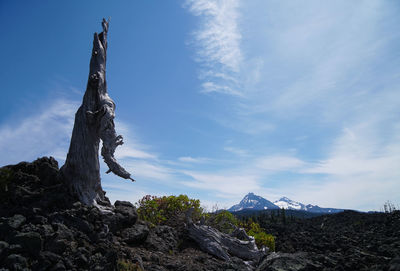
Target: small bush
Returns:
[260, 236]
[172, 211]
[388, 207]
[6, 175]
[223, 221]
[124, 265]
[226, 222]
[169, 210]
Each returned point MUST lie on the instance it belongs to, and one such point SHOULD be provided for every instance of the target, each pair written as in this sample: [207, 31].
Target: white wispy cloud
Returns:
[48, 133]
[361, 168]
[323, 63]
[195, 160]
[280, 163]
[237, 151]
[360, 171]
[217, 44]
[132, 148]
[129, 151]
[146, 170]
[324, 74]
[224, 184]
[44, 133]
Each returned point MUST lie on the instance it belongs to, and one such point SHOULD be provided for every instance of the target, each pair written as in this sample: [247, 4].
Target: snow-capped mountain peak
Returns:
[252, 201]
[287, 203]
[250, 198]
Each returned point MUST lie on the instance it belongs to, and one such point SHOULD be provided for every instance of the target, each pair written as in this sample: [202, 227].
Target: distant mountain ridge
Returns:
[254, 202]
[251, 201]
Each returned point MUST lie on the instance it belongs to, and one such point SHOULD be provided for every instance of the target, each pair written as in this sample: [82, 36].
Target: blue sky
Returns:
[216, 99]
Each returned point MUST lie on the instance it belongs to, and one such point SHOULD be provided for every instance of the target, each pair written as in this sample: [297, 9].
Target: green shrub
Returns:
[223, 221]
[260, 236]
[6, 175]
[226, 222]
[172, 211]
[169, 210]
[124, 265]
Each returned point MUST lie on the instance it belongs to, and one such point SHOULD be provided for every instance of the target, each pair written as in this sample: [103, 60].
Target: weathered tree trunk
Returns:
[222, 245]
[94, 120]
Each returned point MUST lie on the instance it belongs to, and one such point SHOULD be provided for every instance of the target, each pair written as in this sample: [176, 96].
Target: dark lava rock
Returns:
[125, 216]
[289, 262]
[57, 245]
[128, 211]
[50, 256]
[345, 241]
[394, 264]
[45, 169]
[31, 242]
[45, 228]
[16, 221]
[59, 267]
[3, 249]
[137, 234]
[162, 238]
[15, 262]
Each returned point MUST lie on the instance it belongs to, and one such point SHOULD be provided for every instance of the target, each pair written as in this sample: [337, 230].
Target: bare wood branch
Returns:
[222, 245]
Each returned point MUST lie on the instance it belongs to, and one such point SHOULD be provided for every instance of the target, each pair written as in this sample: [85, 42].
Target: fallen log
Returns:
[221, 245]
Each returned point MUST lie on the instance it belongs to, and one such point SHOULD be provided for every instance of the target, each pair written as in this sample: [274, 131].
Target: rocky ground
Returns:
[345, 241]
[43, 228]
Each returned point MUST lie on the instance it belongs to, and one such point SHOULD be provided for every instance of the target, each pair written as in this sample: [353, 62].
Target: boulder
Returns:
[50, 256]
[3, 249]
[59, 266]
[16, 221]
[30, 242]
[162, 238]
[16, 262]
[128, 211]
[47, 171]
[135, 235]
[124, 216]
[288, 262]
[394, 264]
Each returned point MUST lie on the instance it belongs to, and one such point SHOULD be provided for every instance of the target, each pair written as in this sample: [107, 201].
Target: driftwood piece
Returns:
[222, 245]
[94, 120]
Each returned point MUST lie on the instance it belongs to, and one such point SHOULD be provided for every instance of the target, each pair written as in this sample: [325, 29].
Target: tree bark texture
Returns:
[94, 120]
[221, 245]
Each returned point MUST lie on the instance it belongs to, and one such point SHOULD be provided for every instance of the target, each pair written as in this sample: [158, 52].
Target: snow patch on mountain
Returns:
[289, 204]
[251, 201]
[254, 202]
